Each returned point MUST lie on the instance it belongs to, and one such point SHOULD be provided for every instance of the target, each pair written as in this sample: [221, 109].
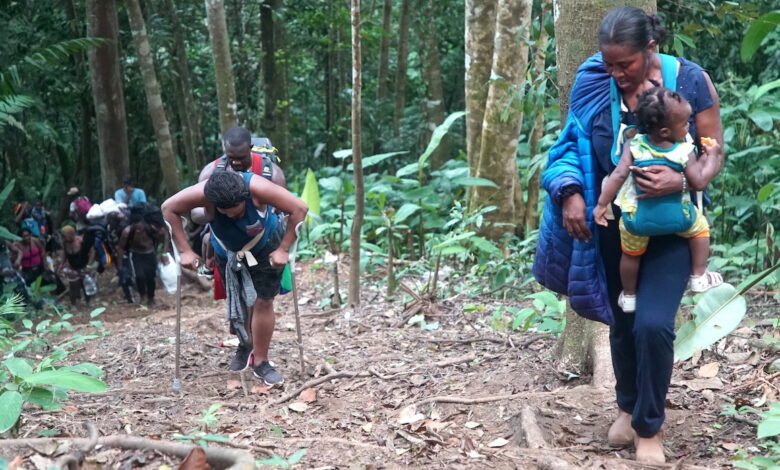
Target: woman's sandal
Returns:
[706, 281]
[626, 302]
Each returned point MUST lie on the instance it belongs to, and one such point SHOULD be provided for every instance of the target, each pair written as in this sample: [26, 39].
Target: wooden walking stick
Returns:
[295, 297]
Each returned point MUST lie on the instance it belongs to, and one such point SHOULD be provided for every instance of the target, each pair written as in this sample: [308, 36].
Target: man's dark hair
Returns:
[652, 111]
[128, 181]
[630, 26]
[236, 137]
[225, 189]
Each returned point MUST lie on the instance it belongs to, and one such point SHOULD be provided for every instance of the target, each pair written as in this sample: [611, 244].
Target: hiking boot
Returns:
[242, 360]
[621, 433]
[269, 374]
[650, 449]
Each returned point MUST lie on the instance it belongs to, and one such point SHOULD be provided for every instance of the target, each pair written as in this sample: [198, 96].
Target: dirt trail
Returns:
[383, 411]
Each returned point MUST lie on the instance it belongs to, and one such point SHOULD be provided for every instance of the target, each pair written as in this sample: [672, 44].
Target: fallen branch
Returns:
[755, 381]
[547, 456]
[73, 460]
[534, 438]
[217, 457]
[317, 381]
[470, 401]
[452, 362]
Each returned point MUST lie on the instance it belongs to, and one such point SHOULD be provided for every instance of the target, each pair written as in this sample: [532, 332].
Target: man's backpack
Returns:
[82, 205]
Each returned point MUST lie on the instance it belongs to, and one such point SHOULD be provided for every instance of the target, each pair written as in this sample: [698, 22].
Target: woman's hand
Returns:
[574, 217]
[656, 181]
[278, 258]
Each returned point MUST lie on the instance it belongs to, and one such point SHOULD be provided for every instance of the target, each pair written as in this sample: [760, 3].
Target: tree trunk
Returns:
[276, 113]
[223, 67]
[400, 71]
[498, 145]
[108, 95]
[154, 98]
[480, 30]
[356, 235]
[190, 118]
[584, 345]
[384, 52]
[331, 81]
[434, 104]
[531, 216]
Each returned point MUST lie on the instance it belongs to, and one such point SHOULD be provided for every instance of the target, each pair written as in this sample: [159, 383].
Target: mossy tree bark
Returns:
[154, 100]
[497, 145]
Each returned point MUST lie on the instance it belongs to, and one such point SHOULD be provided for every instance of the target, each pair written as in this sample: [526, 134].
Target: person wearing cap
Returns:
[129, 194]
[79, 206]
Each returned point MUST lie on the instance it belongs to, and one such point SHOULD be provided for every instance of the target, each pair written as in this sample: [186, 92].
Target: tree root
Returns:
[73, 460]
[317, 381]
[534, 438]
[217, 457]
[552, 459]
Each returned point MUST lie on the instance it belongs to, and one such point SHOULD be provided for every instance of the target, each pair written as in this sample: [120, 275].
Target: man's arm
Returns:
[265, 192]
[176, 206]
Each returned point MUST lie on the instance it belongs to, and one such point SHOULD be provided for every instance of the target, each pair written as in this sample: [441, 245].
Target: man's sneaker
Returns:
[242, 360]
[269, 374]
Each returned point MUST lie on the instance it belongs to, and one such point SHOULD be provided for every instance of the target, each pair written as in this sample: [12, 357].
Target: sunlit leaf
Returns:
[437, 135]
[405, 211]
[67, 380]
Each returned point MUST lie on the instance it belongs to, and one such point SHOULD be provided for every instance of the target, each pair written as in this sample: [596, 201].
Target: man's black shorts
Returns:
[267, 280]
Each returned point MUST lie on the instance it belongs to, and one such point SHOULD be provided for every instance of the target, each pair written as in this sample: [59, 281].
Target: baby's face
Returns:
[679, 114]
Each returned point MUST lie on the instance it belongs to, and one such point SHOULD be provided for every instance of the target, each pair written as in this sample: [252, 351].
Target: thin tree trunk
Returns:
[190, 117]
[434, 103]
[500, 131]
[531, 216]
[223, 66]
[356, 235]
[583, 346]
[480, 30]
[331, 80]
[154, 101]
[400, 71]
[108, 95]
[384, 52]
[276, 110]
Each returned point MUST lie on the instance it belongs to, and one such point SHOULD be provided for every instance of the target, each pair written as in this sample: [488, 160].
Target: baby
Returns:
[662, 120]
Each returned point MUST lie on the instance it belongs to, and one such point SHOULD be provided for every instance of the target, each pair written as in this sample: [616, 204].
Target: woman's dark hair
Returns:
[630, 26]
[652, 110]
[225, 189]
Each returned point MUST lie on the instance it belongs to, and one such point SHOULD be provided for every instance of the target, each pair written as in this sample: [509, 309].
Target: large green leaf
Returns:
[19, 367]
[10, 409]
[762, 119]
[471, 181]
[717, 314]
[405, 211]
[770, 425]
[311, 194]
[6, 191]
[436, 137]
[67, 380]
[374, 159]
[756, 33]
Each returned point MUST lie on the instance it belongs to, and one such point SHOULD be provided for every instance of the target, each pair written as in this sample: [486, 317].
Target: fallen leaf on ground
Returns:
[299, 406]
[500, 442]
[233, 384]
[730, 446]
[472, 424]
[435, 426]
[709, 370]
[697, 385]
[410, 415]
[309, 395]
[367, 427]
[15, 463]
[260, 390]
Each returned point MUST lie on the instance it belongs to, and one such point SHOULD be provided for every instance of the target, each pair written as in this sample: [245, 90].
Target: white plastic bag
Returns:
[168, 273]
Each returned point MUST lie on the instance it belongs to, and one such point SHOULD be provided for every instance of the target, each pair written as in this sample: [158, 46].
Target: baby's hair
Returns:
[652, 108]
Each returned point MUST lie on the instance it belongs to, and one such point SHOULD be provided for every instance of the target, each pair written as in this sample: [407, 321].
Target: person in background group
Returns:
[137, 252]
[30, 257]
[570, 260]
[72, 266]
[129, 194]
[78, 208]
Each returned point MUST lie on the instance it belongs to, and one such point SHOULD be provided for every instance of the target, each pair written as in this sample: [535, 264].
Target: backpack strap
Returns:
[669, 69]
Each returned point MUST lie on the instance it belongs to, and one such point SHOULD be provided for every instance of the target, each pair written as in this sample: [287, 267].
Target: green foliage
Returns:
[209, 417]
[768, 430]
[547, 314]
[758, 31]
[42, 382]
[280, 462]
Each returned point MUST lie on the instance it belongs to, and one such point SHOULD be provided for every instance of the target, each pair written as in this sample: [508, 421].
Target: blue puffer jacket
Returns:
[562, 264]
